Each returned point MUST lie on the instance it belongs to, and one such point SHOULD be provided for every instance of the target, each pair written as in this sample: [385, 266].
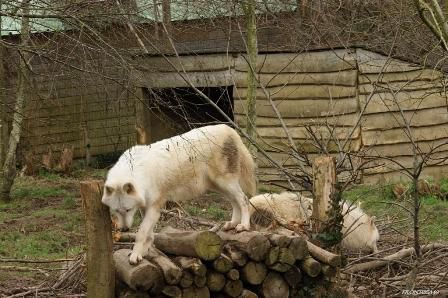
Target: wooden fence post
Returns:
[324, 179]
[100, 264]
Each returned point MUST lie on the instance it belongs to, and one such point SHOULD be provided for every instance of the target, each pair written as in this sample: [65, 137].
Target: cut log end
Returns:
[275, 286]
[254, 273]
[208, 246]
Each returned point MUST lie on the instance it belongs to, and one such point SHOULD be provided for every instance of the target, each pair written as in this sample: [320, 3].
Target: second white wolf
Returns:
[359, 230]
[180, 168]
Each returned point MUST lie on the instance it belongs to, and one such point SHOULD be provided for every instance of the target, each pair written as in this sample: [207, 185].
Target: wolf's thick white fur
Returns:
[180, 168]
[359, 230]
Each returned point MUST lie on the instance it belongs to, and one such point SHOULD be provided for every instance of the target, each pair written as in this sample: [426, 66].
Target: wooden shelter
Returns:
[353, 97]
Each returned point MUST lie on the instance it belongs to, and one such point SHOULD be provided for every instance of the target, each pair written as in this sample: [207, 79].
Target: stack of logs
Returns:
[223, 264]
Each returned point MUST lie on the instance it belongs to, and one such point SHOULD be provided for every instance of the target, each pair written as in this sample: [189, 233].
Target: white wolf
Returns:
[359, 230]
[180, 168]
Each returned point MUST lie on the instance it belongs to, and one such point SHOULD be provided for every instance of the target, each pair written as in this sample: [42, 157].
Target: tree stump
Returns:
[100, 263]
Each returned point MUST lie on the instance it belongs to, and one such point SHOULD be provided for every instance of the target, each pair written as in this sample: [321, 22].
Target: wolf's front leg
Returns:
[145, 235]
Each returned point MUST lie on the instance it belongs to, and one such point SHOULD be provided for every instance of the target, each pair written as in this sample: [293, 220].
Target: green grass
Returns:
[43, 220]
[212, 211]
[380, 201]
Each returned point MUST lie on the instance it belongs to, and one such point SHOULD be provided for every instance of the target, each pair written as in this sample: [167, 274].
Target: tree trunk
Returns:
[100, 265]
[324, 175]
[252, 52]
[8, 172]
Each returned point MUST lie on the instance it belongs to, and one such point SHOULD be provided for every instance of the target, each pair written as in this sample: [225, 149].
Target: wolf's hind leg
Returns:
[236, 215]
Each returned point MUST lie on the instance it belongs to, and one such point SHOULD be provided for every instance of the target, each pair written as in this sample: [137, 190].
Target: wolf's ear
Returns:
[128, 188]
[372, 220]
[109, 190]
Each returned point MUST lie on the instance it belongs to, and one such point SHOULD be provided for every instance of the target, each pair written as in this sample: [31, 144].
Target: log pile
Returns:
[222, 264]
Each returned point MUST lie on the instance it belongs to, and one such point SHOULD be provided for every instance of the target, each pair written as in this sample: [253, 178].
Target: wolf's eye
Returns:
[127, 210]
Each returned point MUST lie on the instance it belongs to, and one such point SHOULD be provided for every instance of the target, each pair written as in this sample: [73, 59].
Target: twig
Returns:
[34, 261]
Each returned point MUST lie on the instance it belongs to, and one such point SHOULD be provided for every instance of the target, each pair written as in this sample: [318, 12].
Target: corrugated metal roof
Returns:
[181, 10]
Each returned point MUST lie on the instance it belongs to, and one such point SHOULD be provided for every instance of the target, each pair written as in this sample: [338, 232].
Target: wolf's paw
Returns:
[242, 227]
[135, 258]
[228, 225]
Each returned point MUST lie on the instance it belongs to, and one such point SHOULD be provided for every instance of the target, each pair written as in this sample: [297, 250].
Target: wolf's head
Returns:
[123, 201]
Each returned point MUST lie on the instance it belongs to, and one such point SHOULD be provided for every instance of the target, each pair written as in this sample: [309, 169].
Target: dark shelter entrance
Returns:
[180, 109]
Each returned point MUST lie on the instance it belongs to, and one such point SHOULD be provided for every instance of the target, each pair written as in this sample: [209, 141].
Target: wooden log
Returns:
[285, 256]
[194, 292]
[254, 273]
[171, 272]
[223, 264]
[100, 262]
[200, 281]
[293, 276]
[248, 294]
[233, 288]
[129, 293]
[324, 256]
[143, 276]
[275, 286]
[233, 274]
[328, 271]
[280, 267]
[172, 291]
[298, 247]
[238, 257]
[215, 281]
[279, 240]
[194, 265]
[310, 266]
[187, 280]
[255, 244]
[405, 252]
[272, 256]
[205, 245]
[324, 178]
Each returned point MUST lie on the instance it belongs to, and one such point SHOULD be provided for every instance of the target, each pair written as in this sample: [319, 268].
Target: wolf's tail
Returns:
[248, 180]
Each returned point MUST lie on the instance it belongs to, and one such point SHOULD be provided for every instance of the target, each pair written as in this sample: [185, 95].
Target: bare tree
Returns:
[9, 167]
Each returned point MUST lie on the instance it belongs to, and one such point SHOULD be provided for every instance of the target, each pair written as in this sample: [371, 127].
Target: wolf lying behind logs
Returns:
[359, 230]
[180, 168]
